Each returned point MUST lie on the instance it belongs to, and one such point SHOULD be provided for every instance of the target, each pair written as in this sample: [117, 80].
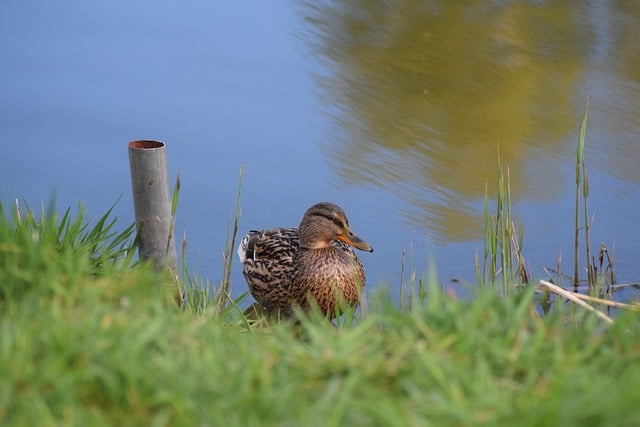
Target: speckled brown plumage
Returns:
[287, 267]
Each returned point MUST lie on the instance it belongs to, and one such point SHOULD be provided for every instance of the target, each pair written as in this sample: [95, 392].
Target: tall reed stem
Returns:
[579, 166]
[232, 232]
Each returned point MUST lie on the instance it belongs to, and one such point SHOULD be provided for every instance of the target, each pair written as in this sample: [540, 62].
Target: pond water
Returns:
[394, 110]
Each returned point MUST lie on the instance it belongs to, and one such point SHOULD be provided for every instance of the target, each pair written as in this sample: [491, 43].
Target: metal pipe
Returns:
[152, 202]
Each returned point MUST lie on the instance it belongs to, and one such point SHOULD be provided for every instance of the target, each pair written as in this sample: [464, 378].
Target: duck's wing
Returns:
[267, 263]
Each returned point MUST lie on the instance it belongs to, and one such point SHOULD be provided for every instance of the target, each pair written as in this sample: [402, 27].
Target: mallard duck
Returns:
[311, 264]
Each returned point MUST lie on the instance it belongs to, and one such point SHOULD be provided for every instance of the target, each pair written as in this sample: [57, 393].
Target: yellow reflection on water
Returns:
[423, 94]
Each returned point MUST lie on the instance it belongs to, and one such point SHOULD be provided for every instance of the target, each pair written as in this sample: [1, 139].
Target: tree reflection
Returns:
[424, 93]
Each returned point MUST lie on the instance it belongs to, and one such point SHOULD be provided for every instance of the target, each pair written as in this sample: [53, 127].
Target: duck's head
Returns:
[324, 222]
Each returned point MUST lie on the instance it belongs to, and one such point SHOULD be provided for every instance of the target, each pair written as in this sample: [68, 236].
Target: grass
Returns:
[88, 338]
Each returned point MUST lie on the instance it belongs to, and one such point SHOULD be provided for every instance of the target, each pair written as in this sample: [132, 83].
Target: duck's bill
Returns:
[356, 242]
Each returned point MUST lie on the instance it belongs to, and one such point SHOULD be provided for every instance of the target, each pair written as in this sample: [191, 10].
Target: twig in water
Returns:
[574, 298]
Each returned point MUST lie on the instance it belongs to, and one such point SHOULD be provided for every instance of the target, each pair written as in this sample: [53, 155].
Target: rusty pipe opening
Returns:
[145, 144]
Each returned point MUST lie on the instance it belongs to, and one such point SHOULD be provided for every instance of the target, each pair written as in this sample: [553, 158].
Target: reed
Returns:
[175, 196]
[583, 178]
[502, 256]
[600, 275]
[600, 282]
[412, 289]
[229, 251]
[579, 163]
[197, 293]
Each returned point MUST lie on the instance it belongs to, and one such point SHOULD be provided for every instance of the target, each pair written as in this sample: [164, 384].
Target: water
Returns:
[394, 111]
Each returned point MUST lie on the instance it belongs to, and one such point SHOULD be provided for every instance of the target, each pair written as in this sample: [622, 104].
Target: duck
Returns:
[312, 265]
